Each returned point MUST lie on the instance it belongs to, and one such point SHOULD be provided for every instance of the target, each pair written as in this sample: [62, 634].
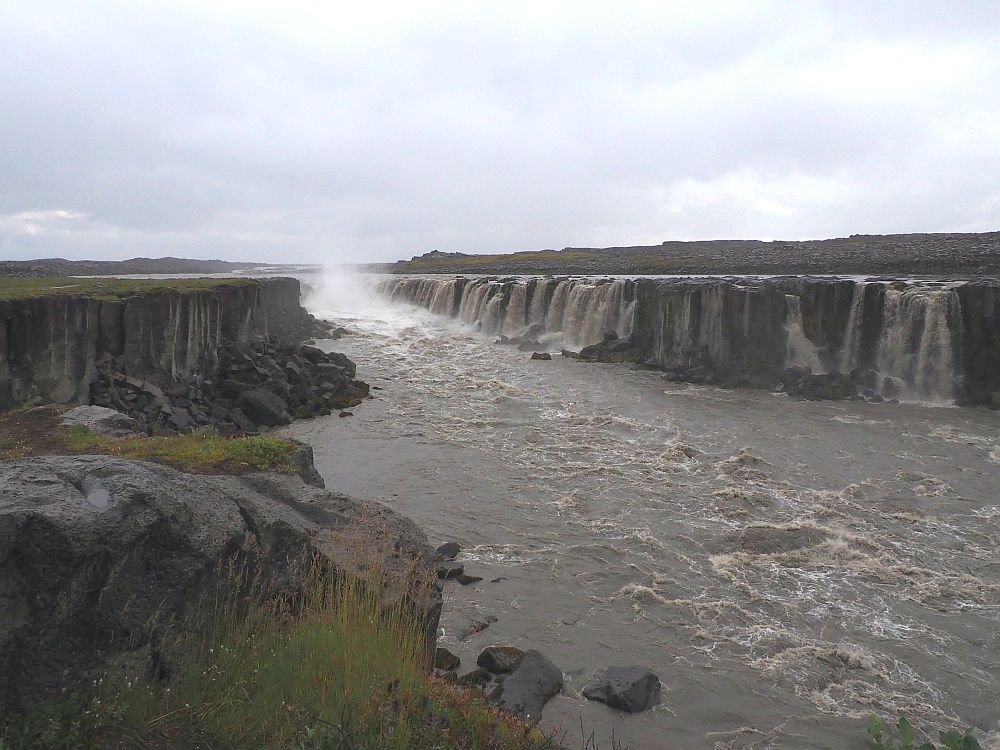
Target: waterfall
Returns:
[916, 351]
[850, 353]
[801, 351]
[909, 337]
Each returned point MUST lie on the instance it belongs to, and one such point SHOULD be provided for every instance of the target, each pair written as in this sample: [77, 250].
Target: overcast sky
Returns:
[295, 132]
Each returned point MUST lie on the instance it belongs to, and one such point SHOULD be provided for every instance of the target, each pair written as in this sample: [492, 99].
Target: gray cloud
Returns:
[301, 133]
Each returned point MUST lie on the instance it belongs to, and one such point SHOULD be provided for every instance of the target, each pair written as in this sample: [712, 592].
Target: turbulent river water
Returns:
[786, 567]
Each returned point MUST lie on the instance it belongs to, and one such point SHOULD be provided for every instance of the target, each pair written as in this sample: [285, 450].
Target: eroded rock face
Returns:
[91, 547]
[50, 347]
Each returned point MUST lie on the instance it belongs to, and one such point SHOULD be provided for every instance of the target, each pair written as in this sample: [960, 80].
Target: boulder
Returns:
[264, 407]
[475, 678]
[529, 687]
[629, 689]
[500, 659]
[544, 356]
[101, 421]
[446, 660]
[98, 554]
[449, 550]
[450, 569]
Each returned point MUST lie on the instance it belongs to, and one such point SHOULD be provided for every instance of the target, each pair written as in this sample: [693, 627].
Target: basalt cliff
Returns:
[829, 337]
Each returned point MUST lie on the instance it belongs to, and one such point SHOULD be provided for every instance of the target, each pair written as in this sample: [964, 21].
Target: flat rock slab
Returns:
[529, 687]
[629, 689]
[101, 421]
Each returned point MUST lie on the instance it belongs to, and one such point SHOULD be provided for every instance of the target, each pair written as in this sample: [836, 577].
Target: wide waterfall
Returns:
[892, 339]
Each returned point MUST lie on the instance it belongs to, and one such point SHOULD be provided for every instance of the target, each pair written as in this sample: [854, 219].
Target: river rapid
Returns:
[786, 567]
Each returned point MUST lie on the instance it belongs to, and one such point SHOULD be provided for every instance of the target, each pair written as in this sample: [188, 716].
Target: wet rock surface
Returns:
[98, 553]
[529, 687]
[629, 689]
[500, 659]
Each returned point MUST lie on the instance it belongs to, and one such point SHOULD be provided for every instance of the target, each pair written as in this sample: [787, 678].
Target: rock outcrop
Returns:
[97, 554]
[51, 345]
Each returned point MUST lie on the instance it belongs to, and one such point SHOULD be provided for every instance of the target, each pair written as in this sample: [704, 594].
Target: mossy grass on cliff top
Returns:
[329, 666]
[36, 432]
[203, 451]
[17, 288]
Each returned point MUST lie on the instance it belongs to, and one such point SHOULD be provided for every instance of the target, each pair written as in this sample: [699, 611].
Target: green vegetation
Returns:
[331, 667]
[14, 288]
[203, 451]
[36, 432]
[881, 737]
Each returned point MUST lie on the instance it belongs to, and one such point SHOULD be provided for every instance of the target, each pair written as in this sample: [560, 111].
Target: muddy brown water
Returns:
[786, 567]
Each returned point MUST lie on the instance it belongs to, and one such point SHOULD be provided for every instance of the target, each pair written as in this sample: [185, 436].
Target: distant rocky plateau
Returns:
[961, 254]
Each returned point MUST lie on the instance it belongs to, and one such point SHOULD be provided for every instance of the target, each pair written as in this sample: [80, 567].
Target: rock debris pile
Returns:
[258, 383]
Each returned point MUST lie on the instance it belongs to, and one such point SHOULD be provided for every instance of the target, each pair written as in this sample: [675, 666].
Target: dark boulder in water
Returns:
[449, 550]
[529, 687]
[500, 659]
[446, 660]
[629, 689]
[544, 356]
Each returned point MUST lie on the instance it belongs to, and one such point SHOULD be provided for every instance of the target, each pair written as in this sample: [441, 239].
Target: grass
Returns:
[16, 288]
[36, 432]
[201, 451]
[328, 668]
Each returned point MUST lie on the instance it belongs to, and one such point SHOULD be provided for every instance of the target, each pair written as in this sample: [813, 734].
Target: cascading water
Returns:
[902, 341]
[916, 349]
[851, 348]
[801, 351]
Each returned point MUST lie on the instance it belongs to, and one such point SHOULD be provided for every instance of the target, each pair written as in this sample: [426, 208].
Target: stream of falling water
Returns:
[786, 567]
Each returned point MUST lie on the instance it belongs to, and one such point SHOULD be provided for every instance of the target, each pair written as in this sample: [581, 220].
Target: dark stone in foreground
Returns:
[450, 569]
[475, 678]
[544, 356]
[449, 550]
[99, 554]
[529, 687]
[500, 659]
[445, 659]
[630, 689]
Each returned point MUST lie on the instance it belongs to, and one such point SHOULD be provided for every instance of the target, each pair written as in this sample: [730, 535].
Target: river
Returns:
[786, 567]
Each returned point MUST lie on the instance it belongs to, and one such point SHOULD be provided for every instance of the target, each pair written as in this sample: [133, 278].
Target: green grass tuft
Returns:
[203, 451]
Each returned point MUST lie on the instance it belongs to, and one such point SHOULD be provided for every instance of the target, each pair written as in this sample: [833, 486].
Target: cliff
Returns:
[54, 333]
[912, 340]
